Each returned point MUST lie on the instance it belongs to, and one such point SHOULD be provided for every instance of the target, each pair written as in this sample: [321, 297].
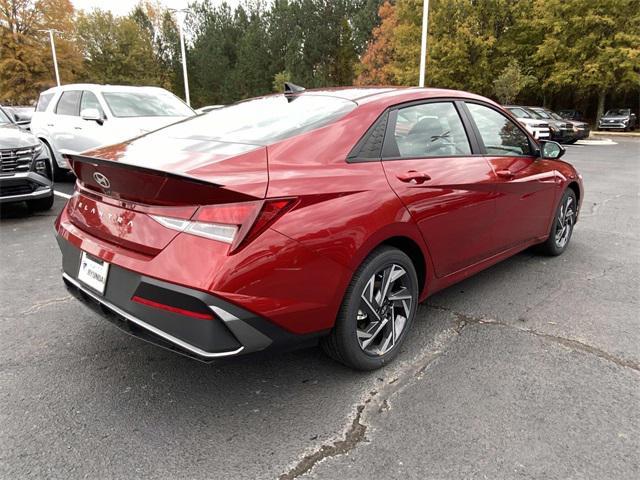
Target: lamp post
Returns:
[423, 49]
[181, 17]
[51, 31]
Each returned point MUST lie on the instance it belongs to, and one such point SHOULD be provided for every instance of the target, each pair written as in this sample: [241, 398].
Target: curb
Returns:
[615, 134]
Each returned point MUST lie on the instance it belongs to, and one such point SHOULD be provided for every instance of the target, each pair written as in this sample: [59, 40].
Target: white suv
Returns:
[79, 117]
[538, 128]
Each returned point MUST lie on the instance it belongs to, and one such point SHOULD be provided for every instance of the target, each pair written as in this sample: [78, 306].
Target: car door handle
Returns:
[413, 176]
[49, 124]
[77, 128]
[505, 174]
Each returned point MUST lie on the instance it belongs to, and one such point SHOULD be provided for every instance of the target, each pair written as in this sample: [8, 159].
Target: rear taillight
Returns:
[230, 223]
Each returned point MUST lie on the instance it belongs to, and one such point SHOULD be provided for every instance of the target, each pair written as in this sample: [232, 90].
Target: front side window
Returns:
[146, 104]
[430, 130]
[499, 134]
[69, 103]
[89, 100]
[44, 101]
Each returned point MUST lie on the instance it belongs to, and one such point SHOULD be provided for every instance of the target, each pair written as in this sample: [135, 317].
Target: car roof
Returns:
[391, 95]
[102, 88]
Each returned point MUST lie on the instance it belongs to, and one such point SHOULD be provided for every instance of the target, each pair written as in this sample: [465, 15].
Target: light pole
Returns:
[181, 17]
[423, 49]
[53, 51]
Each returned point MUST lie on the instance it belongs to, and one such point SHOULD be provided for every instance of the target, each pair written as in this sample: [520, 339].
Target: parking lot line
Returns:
[63, 195]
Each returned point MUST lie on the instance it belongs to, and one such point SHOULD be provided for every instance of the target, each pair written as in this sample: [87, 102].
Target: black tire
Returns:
[343, 343]
[41, 204]
[59, 174]
[558, 239]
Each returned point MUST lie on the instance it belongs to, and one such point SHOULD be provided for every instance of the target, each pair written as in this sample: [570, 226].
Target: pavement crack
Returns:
[377, 402]
[464, 319]
[36, 307]
[352, 437]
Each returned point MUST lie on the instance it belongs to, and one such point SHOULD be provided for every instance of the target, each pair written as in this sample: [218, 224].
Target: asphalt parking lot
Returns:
[530, 369]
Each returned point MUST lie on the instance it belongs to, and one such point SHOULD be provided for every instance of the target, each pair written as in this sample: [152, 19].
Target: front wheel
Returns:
[377, 311]
[562, 227]
[41, 204]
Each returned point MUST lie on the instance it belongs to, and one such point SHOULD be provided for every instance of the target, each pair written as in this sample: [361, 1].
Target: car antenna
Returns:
[291, 91]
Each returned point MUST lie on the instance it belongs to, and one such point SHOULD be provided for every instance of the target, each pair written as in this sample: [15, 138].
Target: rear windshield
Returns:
[146, 104]
[263, 120]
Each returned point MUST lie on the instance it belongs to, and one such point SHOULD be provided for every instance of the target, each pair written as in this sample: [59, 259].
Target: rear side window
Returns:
[69, 103]
[44, 101]
[499, 134]
[429, 130]
[263, 120]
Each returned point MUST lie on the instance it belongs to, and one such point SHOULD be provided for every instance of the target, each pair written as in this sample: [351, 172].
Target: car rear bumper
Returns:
[23, 186]
[230, 332]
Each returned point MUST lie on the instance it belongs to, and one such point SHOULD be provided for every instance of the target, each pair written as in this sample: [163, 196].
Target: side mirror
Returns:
[551, 150]
[92, 114]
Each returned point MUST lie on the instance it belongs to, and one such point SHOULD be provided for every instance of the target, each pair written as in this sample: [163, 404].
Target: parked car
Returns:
[21, 115]
[561, 130]
[538, 128]
[581, 130]
[78, 117]
[571, 114]
[25, 169]
[618, 119]
[315, 215]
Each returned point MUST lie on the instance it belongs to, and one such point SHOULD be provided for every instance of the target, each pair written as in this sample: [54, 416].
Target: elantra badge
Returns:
[101, 180]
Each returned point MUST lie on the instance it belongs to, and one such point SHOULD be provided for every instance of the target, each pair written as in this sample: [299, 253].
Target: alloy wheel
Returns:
[385, 306]
[565, 221]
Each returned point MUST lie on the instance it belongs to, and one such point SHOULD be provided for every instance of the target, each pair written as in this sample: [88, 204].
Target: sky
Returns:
[122, 7]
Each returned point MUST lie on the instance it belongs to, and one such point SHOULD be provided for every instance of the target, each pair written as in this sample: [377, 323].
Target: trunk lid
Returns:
[120, 186]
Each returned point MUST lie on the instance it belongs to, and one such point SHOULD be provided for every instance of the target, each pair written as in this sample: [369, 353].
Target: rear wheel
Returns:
[562, 226]
[377, 311]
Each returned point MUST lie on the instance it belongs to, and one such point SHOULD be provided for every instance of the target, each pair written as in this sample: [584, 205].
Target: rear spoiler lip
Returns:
[74, 157]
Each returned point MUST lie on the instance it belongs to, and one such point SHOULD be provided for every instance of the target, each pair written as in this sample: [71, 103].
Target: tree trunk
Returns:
[601, 97]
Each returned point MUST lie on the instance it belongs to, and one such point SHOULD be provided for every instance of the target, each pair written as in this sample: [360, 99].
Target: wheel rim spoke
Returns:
[385, 306]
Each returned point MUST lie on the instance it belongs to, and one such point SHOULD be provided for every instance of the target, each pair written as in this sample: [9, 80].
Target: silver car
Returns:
[26, 171]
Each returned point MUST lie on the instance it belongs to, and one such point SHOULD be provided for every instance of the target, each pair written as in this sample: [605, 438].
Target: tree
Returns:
[117, 50]
[594, 49]
[26, 65]
[375, 66]
[510, 83]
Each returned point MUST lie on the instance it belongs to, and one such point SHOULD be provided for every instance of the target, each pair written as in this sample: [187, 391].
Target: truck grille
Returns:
[16, 159]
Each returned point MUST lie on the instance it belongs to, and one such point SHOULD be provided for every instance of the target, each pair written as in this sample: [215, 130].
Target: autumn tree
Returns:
[375, 66]
[26, 65]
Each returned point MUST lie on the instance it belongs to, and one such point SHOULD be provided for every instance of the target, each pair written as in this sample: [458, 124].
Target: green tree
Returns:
[510, 83]
[594, 48]
[117, 50]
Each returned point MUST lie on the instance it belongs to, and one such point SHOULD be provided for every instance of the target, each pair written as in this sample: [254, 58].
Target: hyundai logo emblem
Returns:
[101, 180]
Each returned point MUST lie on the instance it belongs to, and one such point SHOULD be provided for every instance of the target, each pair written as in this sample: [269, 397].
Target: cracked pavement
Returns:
[530, 369]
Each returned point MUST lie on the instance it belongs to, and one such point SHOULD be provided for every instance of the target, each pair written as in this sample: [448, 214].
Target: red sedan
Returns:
[311, 216]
